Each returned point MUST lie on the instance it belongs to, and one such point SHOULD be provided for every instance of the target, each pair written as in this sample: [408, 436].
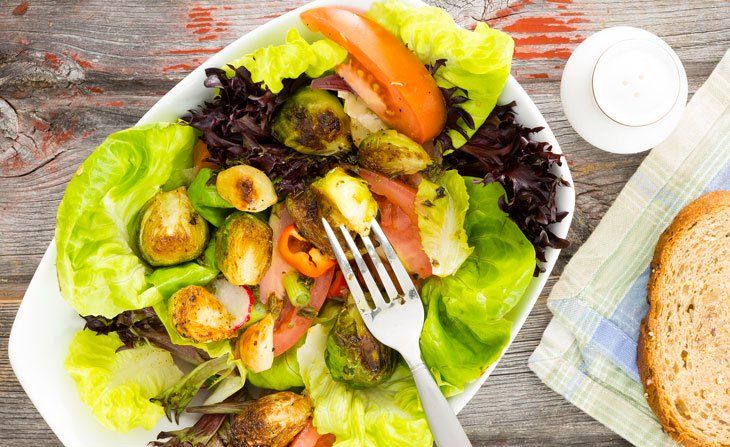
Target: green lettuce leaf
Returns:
[282, 375]
[466, 325]
[117, 386]
[477, 61]
[387, 415]
[205, 198]
[98, 270]
[272, 64]
[441, 209]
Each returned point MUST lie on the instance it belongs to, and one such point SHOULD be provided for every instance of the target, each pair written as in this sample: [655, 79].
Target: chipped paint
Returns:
[203, 25]
[557, 53]
[553, 32]
[178, 67]
[82, 63]
[539, 25]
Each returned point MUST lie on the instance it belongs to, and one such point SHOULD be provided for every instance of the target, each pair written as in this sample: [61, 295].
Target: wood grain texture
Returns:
[71, 72]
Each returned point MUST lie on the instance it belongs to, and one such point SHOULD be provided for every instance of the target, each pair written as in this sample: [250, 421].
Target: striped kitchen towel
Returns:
[588, 351]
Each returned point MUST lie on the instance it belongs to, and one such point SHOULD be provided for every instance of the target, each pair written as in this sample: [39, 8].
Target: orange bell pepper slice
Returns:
[302, 255]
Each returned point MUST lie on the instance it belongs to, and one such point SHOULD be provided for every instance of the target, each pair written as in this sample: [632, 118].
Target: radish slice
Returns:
[238, 301]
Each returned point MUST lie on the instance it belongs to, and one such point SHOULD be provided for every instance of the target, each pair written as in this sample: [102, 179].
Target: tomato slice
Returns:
[309, 437]
[338, 289]
[397, 192]
[383, 72]
[273, 281]
[399, 221]
[291, 326]
[404, 237]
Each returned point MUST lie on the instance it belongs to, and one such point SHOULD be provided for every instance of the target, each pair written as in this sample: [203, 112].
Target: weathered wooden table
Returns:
[72, 72]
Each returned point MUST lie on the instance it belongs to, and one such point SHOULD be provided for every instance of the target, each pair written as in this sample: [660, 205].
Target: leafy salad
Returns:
[195, 253]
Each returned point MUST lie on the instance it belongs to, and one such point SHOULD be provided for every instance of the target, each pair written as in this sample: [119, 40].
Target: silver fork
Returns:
[397, 320]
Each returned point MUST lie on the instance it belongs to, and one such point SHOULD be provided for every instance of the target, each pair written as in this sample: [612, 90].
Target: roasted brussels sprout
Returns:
[346, 200]
[304, 211]
[198, 315]
[353, 355]
[243, 248]
[170, 230]
[246, 188]
[271, 421]
[392, 153]
[313, 122]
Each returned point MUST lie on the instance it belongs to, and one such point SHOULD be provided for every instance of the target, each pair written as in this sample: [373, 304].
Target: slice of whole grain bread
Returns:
[684, 347]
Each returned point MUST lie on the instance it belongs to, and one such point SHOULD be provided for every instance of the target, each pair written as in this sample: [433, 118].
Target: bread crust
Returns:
[646, 355]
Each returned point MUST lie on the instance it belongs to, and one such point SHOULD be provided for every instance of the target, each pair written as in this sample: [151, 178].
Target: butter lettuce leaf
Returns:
[441, 209]
[98, 270]
[477, 61]
[117, 386]
[283, 374]
[272, 64]
[387, 415]
[467, 325]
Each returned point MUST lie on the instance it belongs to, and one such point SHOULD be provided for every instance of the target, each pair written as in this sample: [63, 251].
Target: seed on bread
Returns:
[684, 346]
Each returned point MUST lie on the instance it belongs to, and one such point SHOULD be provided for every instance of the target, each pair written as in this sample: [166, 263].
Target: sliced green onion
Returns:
[296, 290]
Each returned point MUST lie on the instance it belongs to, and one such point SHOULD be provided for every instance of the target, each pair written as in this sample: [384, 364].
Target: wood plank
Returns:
[73, 72]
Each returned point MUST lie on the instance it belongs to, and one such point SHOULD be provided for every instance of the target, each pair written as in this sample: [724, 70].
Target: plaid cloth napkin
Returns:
[588, 351]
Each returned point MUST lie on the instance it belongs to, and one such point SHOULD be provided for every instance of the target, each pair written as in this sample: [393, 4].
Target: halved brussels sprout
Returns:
[304, 211]
[392, 153]
[198, 315]
[353, 356]
[271, 421]
[246, 188]
[243, 248]
[313, 122]
[170, 230]
[346, 200]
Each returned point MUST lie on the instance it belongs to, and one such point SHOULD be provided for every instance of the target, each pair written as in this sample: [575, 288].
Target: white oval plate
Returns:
[45, 324]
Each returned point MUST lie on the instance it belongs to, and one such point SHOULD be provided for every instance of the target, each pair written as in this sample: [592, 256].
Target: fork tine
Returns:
[372, 286]
[357, 294]
[406, 284]
[382, 272]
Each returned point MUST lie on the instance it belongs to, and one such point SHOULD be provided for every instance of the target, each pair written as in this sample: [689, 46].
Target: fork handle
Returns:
[446, 429]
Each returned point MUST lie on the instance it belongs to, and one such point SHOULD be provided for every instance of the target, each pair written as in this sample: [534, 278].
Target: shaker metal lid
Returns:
[624, 90]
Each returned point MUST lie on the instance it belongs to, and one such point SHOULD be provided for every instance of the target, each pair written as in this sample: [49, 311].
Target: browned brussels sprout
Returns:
[353, 355]
[243, 247]
[392, 153]
[170, 230]
[271, 421]
[313, 122]
[346, 200]
[198, 315]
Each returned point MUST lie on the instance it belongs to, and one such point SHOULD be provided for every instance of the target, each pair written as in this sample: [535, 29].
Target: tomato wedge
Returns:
[273, 281]
[396, 192]
[404, 237]
[338, 289]
[291, 326]
[309, 437]
[302, 255]
[383, 72]
[201, 155]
